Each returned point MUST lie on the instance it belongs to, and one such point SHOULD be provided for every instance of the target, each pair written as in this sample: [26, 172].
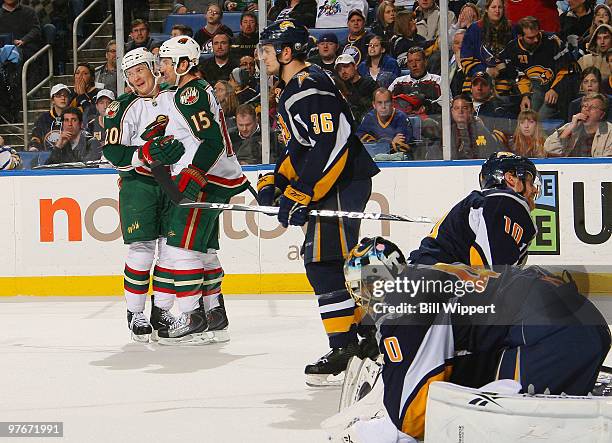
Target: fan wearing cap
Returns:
[325, 166]
[48, 125]
[491, 110]
[95, 126]
[356, 44]
[327, 52]
[470, 139]
[334, 13]
[359, 89]
[240, 79]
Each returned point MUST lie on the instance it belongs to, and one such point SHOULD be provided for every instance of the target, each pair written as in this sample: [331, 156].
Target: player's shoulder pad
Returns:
[193, 93]
[116, 107]
[309, 78]
[508, 194]
[167, 87]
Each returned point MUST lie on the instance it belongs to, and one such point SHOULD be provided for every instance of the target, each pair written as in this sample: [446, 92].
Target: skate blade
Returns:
[200, 339]
[144, 338]
[154, 336]
[220, 336]
[324, 380]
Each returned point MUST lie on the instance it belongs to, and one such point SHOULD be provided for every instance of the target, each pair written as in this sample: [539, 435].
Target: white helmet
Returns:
[136, 57]
[179, 47]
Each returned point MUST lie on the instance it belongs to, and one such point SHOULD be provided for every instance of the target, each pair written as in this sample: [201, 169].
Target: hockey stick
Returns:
[273, 210]
[74, 165]
[167, 184]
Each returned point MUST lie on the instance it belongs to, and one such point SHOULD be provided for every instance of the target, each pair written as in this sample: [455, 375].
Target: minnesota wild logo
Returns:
[112, 109]
[189, 96]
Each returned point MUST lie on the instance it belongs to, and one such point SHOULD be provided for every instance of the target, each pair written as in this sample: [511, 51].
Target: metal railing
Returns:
[24, 87]
[75, 26]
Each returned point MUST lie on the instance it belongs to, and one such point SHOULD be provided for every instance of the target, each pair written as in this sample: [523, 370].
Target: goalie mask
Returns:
[371, 261]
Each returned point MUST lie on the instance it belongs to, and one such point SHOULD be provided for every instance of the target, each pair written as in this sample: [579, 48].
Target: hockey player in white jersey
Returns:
[208, 171]
[135, 126]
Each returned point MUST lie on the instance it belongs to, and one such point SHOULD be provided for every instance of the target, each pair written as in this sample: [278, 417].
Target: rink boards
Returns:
[61, 228]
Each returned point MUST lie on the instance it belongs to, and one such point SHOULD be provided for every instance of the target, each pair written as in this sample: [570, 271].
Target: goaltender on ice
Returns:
[543, 337]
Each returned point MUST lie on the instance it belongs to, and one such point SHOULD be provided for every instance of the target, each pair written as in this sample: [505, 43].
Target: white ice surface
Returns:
[71, 360]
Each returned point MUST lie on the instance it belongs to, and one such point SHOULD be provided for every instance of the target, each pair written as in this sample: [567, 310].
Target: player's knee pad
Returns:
[181, 259]
[140, 255]
[325, 277]
[211, 260]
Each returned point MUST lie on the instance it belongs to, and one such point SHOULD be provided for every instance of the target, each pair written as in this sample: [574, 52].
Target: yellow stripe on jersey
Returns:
[322, 187]
[436, 228]
[517, 365]
[413, 422]
[287, 170]
[338, 324]
[475, 257]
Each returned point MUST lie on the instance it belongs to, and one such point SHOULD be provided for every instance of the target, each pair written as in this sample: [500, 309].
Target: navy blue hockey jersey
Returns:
[318, 128]
[487, 228]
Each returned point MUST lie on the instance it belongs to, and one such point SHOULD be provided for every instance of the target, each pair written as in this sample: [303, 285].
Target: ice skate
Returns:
[218, 322]
[160, 319]
[329, 369]
[190, 328]
[139, 326]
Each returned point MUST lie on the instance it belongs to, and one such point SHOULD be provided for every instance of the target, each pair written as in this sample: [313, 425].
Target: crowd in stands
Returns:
[529, 76]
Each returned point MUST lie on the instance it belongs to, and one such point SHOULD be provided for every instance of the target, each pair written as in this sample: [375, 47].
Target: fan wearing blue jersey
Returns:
[325, 166]
[386, 124]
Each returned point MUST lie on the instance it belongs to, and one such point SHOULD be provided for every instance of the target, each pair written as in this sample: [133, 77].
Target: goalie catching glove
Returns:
[293, 207]
[166, 149]
[191, 181]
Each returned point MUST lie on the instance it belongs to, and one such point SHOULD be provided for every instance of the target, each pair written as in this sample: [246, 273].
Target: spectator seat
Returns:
[341, 33]
[194, 21]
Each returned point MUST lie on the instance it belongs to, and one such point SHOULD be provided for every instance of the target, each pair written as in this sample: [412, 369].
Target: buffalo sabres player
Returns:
[135, 137]
[325, 166]
[208, 171]
[546, 336]
[491, 226]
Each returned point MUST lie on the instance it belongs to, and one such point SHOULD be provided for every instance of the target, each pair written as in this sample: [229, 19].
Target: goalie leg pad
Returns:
[359, 380]
[455, 413]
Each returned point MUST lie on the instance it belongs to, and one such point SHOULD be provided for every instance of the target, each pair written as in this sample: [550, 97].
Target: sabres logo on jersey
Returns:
[189, 96]
[112, 109]
[286, 25]
[354, 52]
[302, 76]
[540, 74]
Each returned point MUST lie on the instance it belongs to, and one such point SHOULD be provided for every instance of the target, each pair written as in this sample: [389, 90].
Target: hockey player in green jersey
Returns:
[135, 136]
[208, 171]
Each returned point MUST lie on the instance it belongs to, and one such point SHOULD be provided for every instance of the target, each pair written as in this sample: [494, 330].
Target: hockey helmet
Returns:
[493, 170]
[136, 57]
[373, 259]
[179, 47]
[286, 33]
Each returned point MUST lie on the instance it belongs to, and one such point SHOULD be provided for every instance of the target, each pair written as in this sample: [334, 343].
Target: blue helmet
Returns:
[286, 33]
[493, 170]
[371, 260]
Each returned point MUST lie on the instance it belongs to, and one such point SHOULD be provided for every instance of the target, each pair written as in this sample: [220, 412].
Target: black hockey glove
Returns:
[293, 207]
